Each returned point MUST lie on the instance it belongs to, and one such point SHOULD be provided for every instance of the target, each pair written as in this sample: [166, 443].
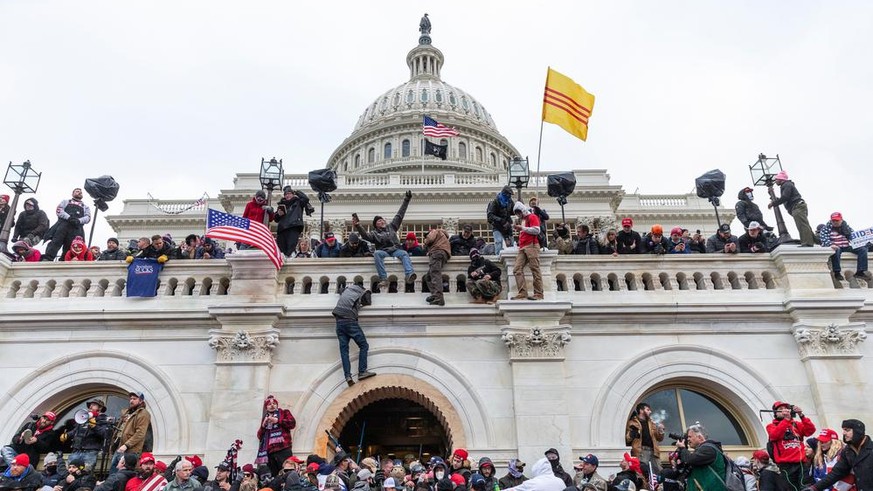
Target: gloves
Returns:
[379, 476]
[73, 220]
[128, 259]
[162, 258]
[268, 209]
[408, 195]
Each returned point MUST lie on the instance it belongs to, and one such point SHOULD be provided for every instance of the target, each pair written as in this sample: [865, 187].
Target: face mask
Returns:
[439, 475]
[749, 195]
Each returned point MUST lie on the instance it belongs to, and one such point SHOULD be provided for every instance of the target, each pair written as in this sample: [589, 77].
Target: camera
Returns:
[677, 436]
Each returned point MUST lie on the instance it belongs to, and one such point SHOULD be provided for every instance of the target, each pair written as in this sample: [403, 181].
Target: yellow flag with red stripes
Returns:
[567, 104]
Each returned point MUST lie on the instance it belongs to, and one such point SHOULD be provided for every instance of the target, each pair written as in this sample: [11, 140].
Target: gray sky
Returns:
[174, 98]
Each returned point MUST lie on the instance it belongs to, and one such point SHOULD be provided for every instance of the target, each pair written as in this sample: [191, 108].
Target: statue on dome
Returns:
[424, 26]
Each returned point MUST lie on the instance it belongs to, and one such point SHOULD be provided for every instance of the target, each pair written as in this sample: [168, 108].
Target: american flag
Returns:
[437, 130]
[238, 229]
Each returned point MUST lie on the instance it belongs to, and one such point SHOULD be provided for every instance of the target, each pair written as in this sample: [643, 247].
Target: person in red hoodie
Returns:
[257, 209]
[78, 251]
[786, 441]
[275, 435]
[25, 253]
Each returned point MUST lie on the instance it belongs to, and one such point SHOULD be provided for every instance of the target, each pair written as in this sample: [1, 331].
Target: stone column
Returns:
[535, 339]
[827, 340]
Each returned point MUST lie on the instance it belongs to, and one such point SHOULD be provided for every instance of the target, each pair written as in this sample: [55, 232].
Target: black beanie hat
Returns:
[855, 425]
[112, 239]
[376, 219]
[130, 461]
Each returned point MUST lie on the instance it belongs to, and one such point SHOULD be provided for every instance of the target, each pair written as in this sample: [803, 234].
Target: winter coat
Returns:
[659, 248]
[824, 233]
[190, 485]
[461, 246]
[627, 239]
[853, 460]
[46, 441]
[586, 246]
[789, 451]
[82, 481]
[117, 255]
[747, 243]
[769, 478]
[499, 214]
[84, 255]
[116, 481]
[350, 302]
[4, 212]
[255, 212]
[294, 209]
[29, 480]
[508, 481]
[490, 481]
[214, 253]
[286, 423]
[707, 467]
[542, 479]
[90, 437]
[748, 211]
[29, 255]
[134, 431]
[487, 267]
[325, 250]
[349, 250]
[594, 479]
[70, 208]
[673, 249]
[633, 436]
[31, 222]
[558, 470]
[386, 238]
[438, 240]
[788, 196]
[151, 253]
[543, 216]
[716, 243]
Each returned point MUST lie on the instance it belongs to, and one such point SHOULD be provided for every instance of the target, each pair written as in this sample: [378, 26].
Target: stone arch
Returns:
[742, 387]
[56, 382]
[419, 375]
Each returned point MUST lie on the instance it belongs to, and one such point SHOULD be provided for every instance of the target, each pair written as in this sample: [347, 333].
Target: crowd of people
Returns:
[512, 224]
[797, 457]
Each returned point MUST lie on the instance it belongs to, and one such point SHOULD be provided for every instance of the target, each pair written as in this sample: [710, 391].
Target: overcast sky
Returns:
[173, 98]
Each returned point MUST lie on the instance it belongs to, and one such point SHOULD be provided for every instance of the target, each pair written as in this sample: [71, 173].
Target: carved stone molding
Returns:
[243, 347]
[829, 342]
[450, 225]
[537, 344]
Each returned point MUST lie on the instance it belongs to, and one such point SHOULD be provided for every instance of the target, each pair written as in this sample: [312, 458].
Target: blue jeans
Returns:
[499, 241]
[88, 456]
[379, 258]
[348, 329]
[862, 258]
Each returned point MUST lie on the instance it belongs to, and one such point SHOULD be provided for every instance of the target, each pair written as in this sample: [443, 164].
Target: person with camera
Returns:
[384, 238]
[88, 438]
[561, 239]
[655, 243]
[704, 461]
[722, 241]
[643, 436]
[483, 279]
[289, 216]
[786, 436]
[753, 241]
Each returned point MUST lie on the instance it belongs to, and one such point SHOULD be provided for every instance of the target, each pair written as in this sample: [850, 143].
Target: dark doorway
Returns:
[395, 428]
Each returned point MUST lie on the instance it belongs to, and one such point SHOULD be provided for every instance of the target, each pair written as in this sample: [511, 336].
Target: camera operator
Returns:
[786, 437]
[705, 465]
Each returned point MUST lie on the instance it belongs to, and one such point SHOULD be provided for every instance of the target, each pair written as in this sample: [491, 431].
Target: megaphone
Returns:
[81, 416]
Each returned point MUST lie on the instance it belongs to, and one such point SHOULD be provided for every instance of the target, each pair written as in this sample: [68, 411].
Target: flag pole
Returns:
[539, 151]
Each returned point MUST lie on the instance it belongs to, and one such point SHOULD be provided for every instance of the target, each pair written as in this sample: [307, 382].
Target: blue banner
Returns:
[142, 277]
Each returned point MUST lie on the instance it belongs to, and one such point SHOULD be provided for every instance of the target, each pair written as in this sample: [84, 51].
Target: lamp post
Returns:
[20, 178]
[271, 176]
[763, 172]
[519, 174]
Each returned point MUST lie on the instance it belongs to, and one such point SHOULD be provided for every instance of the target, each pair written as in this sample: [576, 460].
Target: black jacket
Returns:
[627, 239]
[586, 246]
[88, 437]
[499, 216]
[116, 481]
[487, 268]
[748, 244]
[362, 250]
[748, 211]
[151, 253]
[294, 209]
[31, 481]
[788, 196]
[386, 238]
[462, 246]
[31, 222]
[852, 461]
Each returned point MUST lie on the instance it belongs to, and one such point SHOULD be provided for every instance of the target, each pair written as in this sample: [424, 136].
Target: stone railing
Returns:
[565, 277]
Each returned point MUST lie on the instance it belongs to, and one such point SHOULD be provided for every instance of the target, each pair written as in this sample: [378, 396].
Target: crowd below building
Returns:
[74, 453]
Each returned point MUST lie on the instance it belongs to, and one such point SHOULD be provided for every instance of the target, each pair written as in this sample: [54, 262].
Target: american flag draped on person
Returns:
[237, 229]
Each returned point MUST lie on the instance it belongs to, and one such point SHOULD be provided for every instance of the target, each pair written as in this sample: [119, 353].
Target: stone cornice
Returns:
[243, 347]
[831, 341]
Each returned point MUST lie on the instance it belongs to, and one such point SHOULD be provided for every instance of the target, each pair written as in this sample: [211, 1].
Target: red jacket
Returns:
[525, 238]
[286, 423]
[789, 451]
[254, 212]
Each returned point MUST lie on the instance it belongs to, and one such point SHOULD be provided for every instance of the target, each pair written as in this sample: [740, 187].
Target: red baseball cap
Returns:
[836, 216]
[458, 480]
[627, 222]
[312, 468]
[294, 459]
[827, 435]
[146, 457]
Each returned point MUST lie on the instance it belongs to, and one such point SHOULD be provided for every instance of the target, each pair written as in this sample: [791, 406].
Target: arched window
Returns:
[679, 407]
[387, 153]
[492, 159]
[438, 96]
[462, 150]
[396, 99]
[424, 96]
[371, 155]
[346, 165]
[404, 148]
[114, 400]
[357, 161]
[410, 97]
[479, 155]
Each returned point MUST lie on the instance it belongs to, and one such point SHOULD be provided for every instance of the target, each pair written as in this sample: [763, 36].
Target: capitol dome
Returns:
[388, 135]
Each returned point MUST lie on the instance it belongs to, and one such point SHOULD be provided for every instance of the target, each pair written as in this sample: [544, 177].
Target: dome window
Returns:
[410, 97]
[357, 161]
[464, 103]
[404, 148]
[452, 99]
[373, 111]
[476, 109]
[384, 104]
[387, 153]
[462, 150]
[479, 155]
[492, 159]
[438, 96]
[396, 99]
[371, 155]
[424, 96]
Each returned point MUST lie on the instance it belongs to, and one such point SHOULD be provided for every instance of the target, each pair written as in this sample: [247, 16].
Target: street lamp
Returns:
[271, 176]
[20, 179]
[763, 172]
[519, 173]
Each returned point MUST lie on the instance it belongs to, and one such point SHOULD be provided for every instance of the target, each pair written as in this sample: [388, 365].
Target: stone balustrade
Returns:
[565, 277]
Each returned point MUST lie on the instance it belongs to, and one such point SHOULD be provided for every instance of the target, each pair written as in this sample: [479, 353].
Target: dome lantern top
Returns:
[424, 60]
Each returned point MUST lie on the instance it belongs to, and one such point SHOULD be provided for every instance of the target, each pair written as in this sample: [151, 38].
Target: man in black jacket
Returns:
[464, 242]
[88, 438]
[747, 211]
[32, 223]
[855, 458]
[557, 469]
[78, 476]
[383, 235]
[584, 243]
[289, 216]
[629, 242]
[500, 218]
[351, 300]
[21, 475]
[117, 480]
[795, 206]
[483, 279]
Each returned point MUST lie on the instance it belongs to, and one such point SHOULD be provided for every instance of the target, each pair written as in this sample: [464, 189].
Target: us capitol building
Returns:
[709, 338]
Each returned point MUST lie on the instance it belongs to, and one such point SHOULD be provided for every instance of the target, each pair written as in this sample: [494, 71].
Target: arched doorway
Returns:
[395, 428]
[403, 415]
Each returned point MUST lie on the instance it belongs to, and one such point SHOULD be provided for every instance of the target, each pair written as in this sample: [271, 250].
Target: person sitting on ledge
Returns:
[676, 244]
[384, 238]
[836, 234]
[330, 247]
[411, 245]
[722, 241]
[655, 243]
[483, 279]
[355, 247]
[753, 240]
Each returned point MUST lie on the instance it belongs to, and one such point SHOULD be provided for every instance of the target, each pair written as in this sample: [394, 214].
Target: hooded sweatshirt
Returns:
[543, 479]
[558, 469]
[84, 253]
[29, 254]
[748, 211]
[31, 222]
